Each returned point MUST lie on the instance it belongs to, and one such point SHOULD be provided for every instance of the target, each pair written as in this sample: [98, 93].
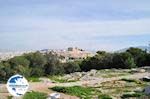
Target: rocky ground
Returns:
[109, 81]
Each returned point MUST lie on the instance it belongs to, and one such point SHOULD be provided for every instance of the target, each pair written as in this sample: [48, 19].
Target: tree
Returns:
[53, 65]
[101, 53]
[2, 72]
[5, 71]
[85, 64]
[37, 63]
[19, 60]
[36, 59]
[129, 63]
[138, 55]
[123, 60]
[101, 60]
[147, 60]
[71, 67]
[24, 70]
[135, 51]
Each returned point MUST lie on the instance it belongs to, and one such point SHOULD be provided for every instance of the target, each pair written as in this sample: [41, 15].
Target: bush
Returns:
[109, 60]
[132, 80]
[35, 95]
[123, 60]
[9, 97]
[139, 56]
[82, 92]
[132, 95]
[60, 79]
[104, 96]
[71, 67]
[33, 79]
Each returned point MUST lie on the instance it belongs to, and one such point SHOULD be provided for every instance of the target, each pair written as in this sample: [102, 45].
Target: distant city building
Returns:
[8, 55]
[72, 54]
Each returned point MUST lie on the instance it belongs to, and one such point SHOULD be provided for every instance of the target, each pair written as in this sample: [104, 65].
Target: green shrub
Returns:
[132, 95]
[33, 79]
[35, 95]
[60, 79]
[132, 80]
[9, 97]
[71, 67]
[104, 96]
[82, 92]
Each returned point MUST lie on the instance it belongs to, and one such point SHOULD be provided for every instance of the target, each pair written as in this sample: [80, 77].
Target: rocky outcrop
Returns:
[137, 70]
[146, 78]
[82, 76]
[147, 90]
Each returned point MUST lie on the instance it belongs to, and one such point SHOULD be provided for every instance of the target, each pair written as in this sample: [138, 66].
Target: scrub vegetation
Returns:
[35, 95]
[82, 92]
[38, 65]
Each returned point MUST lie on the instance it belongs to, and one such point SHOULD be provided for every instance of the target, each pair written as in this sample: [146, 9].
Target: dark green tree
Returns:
[138, 55]
[19, 60]
[53, 65]
[123, 60]
[37, 63]
[71, 67]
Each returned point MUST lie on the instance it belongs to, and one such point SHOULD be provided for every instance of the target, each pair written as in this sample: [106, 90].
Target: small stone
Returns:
[141, 70]
[54, 96]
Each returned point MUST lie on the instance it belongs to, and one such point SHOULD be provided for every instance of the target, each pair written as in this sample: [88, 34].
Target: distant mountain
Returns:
[141, 47]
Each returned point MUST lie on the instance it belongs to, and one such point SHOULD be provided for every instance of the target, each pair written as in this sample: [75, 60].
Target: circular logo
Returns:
[17, 85]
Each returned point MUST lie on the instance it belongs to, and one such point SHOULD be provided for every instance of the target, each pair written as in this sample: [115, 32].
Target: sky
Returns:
[89, 24]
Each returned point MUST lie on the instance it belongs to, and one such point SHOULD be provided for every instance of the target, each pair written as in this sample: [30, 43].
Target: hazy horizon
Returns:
[88, 24]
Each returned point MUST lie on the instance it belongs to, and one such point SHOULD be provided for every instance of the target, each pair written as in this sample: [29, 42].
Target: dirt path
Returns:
[36, 86]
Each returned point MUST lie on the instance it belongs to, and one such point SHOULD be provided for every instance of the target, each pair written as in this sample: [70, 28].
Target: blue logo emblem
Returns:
[17, 85]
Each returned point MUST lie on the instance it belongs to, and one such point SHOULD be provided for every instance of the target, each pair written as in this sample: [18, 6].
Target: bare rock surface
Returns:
[147, 90]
